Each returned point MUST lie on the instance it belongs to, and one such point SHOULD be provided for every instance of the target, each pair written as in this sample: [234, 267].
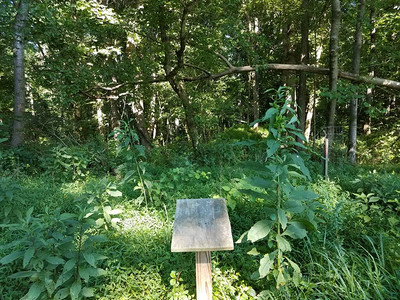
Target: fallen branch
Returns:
[303, 68]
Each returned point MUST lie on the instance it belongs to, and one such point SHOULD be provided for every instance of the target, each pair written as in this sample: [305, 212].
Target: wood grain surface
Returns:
[201, 225]
[203, 276]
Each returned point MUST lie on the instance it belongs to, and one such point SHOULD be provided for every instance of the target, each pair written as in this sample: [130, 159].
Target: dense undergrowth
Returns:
[96, 221]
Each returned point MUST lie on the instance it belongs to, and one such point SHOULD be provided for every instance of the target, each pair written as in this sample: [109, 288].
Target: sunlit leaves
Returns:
[259, 230]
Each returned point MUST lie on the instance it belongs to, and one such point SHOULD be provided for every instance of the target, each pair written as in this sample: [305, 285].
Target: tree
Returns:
[356, 70]
[302, 99]
[333, 64]
[19, 72]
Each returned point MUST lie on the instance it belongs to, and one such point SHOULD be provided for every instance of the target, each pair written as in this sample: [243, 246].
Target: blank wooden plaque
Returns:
[201, 225]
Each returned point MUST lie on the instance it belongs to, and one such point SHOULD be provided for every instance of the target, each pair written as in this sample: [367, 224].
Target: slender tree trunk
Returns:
[370, 90]
[304, 59]
[356, 70]
[256, 96]
[19, 73]
[253, 29]
[100, 116]
[333, 64]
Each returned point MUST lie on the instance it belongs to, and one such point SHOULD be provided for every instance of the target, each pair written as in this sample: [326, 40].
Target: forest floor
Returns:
[122, 244]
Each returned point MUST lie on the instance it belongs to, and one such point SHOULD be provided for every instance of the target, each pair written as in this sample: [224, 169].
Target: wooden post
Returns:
[326, 156]
[203, 276]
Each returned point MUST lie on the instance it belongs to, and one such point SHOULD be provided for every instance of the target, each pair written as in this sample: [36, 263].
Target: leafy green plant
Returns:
[129, 148]
[58, 250]
[179, 290]
[280, 185]
[66, 163]
[7, 193]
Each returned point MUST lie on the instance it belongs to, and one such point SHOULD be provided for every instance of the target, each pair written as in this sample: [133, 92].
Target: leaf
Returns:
[259, 230]
[75, 289]
[296, 272]
[34, 292]
[259, 182]
[115, 211]
[303, 223]
[254, 194]
[294, 206]
[114, 193]
[96, 272]
[23, 274]
[300, 162]
[50, 285]
[66, 216]
[64, 277]
[253, 251]
[243, 238]
[269, 113]
[280, 280]
[70, 264]
[253, 165]
[84, 273]
[141, 149]
[61, 294]
[54, 260]
[87, 292]
[296, 231]
[11, 257]
[273, 146]
[373, 199]
[283, 244]
[99, 256]
[282, 218]
[29, 214]
[302, 195]
[90, 259]
[28, 256]
[266, 263]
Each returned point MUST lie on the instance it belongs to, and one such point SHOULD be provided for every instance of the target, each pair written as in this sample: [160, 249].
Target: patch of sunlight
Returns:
[144, 221]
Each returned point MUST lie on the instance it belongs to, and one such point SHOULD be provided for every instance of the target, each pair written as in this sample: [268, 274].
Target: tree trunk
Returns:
[304, 59]
[139, 122]
[100, 116]
[179, 89]
[370, 90]
[19, 73]
[356, 70]
[333, 64]
[256, 96]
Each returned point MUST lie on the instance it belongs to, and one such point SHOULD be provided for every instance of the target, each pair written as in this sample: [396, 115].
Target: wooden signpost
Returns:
[202, 226]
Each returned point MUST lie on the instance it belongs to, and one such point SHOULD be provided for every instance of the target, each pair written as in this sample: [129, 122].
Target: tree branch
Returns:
[198, 68]
[279, 67]
[116, 87]
[226, 61]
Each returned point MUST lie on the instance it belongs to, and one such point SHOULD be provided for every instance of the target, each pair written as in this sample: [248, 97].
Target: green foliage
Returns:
[179, 291]
[288, 205]
[7, 195]
[66, 163]
[380, 147]
[59, 251]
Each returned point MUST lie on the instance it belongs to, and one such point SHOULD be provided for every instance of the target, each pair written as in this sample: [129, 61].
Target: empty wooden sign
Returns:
[201, 226]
